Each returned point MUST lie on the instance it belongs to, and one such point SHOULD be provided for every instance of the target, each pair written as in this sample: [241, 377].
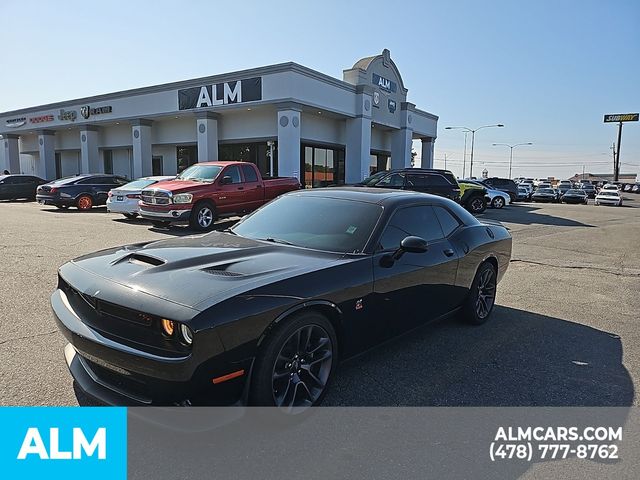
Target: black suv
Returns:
[503, 184]
[81, 191]
[436, 182]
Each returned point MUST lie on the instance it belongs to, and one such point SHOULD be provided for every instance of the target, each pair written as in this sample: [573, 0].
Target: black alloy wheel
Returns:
[296, 365]
[477, 205]
[482, 295]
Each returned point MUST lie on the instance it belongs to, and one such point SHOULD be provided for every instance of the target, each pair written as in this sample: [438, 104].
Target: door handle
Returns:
[448, 252]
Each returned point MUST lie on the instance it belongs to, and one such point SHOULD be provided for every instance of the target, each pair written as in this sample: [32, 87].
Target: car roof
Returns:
[223, 164]
[379, 196]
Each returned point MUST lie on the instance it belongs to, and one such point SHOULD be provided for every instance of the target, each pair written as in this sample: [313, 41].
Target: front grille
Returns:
[155, 197]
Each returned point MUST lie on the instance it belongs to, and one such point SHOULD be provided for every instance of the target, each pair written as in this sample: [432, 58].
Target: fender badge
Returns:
[359, 304]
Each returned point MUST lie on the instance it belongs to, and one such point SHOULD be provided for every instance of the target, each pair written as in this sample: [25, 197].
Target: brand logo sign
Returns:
[15, 122]
[376, 98]
[240, 91]
[88, 111]
[67, 115]
[384, 83]
[621, 117]
[41, 119]
[392, 106]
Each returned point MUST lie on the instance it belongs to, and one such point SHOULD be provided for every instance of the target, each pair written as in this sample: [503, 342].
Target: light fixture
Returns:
[168, 326]
[117, 123]
[187, 335]
[248, 109]
[319, 113]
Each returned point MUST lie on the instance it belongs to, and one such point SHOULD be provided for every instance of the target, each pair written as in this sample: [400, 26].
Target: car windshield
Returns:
[205, 173]
[546, 190]
[138, 184]
[373, 179]
[575, 192]
[329, 224]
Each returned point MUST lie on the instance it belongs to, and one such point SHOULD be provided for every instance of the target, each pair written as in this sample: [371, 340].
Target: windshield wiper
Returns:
[275, 240]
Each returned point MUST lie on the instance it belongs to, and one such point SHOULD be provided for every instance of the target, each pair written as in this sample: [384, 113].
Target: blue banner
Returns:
[63, 442]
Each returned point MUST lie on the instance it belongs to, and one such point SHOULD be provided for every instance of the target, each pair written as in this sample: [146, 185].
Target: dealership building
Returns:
[288, 119]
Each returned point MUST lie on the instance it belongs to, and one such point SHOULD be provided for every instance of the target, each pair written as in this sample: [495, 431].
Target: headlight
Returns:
[168, 326]
[186, 334]
[182, 198]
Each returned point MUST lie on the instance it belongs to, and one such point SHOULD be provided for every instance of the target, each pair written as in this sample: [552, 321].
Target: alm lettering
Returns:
[33, 445]
[230, 95]
[384, 83]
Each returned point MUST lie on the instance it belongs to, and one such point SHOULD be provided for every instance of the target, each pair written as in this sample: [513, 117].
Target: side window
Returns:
[420, 221]
[87, 181]
[249, 173]
[436, 181]
[233, 172]
[447, 221]
[394, 180]
[417, 181]
[120, 181]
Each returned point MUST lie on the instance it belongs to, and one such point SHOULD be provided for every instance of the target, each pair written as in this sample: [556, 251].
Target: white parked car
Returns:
[609, 197]
[124, 199]
[611, 186]
[498, 198]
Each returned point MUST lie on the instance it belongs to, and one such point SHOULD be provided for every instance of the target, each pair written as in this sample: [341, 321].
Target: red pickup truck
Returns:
[209, 190]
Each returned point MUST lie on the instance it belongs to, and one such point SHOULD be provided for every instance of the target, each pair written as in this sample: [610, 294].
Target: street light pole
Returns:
[473, 137]
[464, 156]
[511, 147]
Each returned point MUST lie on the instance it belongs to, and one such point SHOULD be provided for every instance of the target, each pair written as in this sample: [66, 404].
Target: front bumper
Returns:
[125, 206]
[118, 374]
[174, 215]
[600, 201]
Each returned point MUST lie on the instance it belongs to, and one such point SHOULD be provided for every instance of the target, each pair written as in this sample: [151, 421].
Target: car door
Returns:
[230, 195]
[253, 188]
[7, 188]
[417, 287]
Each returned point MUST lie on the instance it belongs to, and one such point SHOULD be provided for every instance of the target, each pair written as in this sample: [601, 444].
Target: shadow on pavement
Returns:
[181, 231]
[525, 215]
[49, 209]
[517, 358]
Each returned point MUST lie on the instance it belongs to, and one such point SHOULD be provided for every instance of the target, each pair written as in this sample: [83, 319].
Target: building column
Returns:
[427, 152]
[358, 148]
[47, 151]
[402, 140]
[11, 153]
[289, 142]
[89, 155]
[141, 133]
[207, 125]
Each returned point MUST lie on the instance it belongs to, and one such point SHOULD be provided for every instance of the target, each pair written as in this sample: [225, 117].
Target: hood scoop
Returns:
[141, 259]
[222, 271]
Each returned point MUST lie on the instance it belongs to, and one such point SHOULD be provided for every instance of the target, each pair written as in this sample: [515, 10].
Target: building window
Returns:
[322, 166]
[186, 156]
[58, 165]
[107, 158]
[156, 165]
[257, 153]
[379, 161]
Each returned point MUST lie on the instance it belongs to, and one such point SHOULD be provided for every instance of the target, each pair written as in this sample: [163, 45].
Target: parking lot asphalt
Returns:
[564, 331]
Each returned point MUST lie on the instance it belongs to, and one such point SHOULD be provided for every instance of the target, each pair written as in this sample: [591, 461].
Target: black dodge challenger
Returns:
[260, 314]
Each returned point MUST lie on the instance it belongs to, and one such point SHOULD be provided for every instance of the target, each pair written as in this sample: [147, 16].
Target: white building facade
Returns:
[287, 119]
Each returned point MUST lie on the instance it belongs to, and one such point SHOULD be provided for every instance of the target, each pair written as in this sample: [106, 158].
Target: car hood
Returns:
[175, 186]
[197, 272]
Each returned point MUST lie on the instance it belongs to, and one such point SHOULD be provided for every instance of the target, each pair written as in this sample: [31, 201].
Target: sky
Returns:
[547, 70]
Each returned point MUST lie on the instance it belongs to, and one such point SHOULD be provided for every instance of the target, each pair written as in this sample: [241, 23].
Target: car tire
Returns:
[477, 205]
[482, 295]
[84, 202]
[296, 363]
[130, 216]
[203, 216]
[160, 223]
[497, 202]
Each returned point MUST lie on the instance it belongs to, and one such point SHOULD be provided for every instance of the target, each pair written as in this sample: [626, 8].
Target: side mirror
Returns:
[410, 244]
[414, 244]
[226, 180]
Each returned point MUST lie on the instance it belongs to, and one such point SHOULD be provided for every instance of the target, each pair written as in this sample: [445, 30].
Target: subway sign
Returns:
[240, 91]
[621, 117]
